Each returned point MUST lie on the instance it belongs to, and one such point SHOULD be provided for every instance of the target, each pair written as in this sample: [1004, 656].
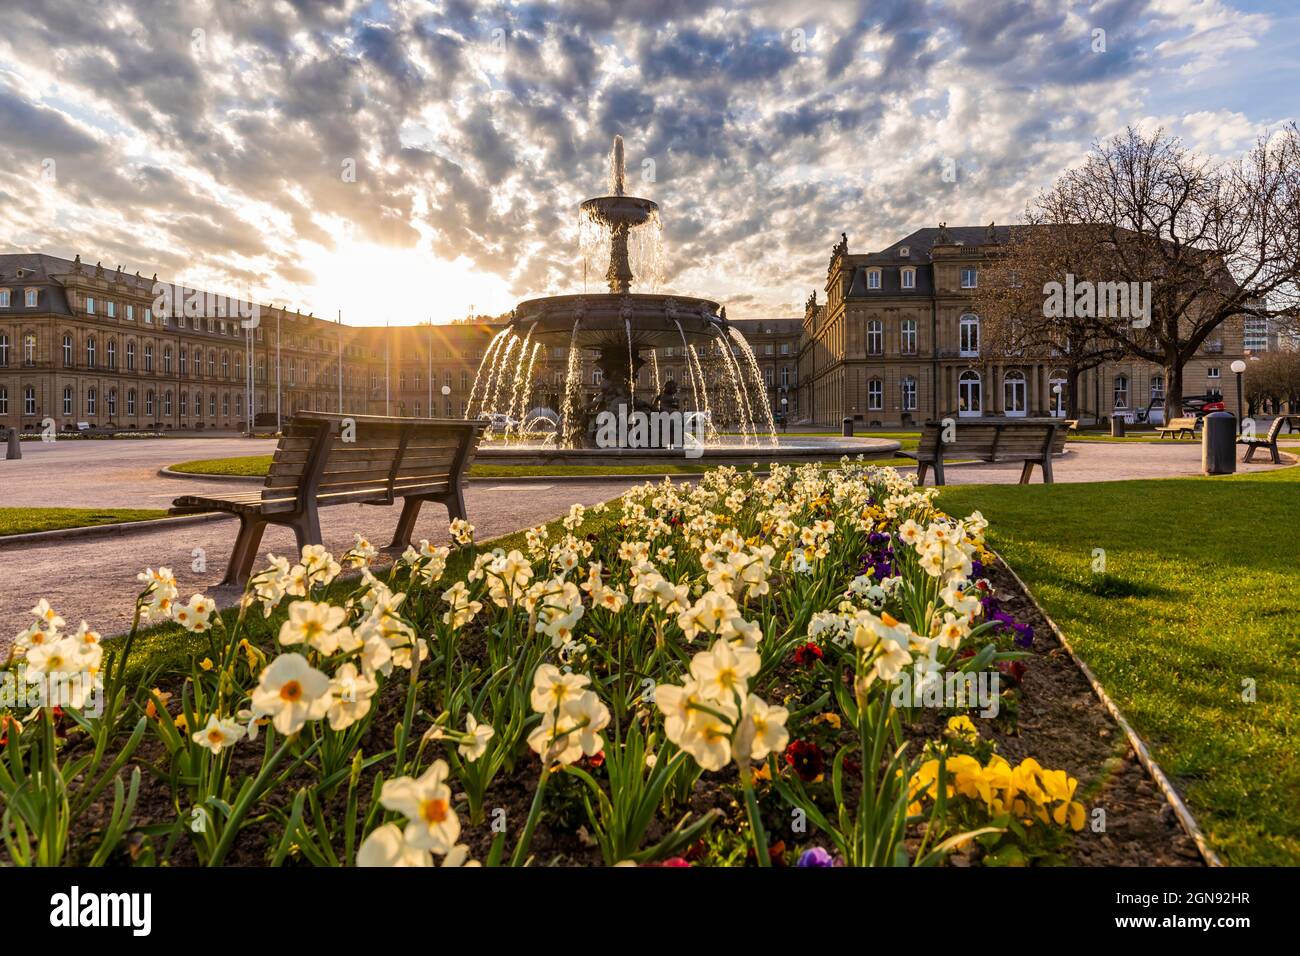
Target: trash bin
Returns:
[15, 449]
[1117, 426]
[847, 430]
[1219, 443]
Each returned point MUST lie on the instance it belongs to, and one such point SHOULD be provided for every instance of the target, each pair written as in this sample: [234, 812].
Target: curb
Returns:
[105, 530]
[1135, 741]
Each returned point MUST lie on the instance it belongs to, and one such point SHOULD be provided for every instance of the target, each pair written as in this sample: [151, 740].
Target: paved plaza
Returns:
[94, 577]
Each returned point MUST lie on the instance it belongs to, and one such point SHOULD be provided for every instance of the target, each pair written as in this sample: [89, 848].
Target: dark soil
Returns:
[1063, 724]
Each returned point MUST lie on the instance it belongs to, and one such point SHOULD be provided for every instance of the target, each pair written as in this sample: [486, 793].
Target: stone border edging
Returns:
[103, 530]
[1135, 741]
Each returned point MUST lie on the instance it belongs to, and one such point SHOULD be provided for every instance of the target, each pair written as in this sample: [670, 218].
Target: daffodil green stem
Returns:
[534, 813]
[755, 819]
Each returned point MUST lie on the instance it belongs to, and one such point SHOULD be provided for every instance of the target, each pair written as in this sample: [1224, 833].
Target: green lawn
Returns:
[26, 520]
[1198, 602]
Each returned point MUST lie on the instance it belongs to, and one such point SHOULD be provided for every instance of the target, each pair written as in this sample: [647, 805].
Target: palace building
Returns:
[897, 341]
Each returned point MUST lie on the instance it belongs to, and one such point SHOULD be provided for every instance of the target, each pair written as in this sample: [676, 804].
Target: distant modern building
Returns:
[898, 341]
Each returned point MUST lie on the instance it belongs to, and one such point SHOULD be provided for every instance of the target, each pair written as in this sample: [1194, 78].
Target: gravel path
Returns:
[94, 578]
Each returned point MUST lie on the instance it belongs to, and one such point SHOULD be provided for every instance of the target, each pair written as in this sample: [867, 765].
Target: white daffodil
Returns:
[48, 617]
[426, 804]
[386, 846]
[554, 688]
[349, 696]
[761, 730]
[196, 616]
[219, 734]
[315, 624]
[479, 735]
[462, 608]
[462, 532]
[723, 671]
[291, 692]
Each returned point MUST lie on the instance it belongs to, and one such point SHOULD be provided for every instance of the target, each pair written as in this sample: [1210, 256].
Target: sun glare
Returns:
[374, 284]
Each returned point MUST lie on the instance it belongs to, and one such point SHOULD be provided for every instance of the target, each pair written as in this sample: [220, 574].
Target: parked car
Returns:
[1201, 405]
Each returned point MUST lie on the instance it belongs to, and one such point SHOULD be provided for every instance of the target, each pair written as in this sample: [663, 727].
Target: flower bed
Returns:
[814, 668]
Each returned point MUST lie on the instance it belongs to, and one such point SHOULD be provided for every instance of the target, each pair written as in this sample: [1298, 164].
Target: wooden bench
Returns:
[326, 459]
[1031, 440]
[1269, 441]
[1178, 427]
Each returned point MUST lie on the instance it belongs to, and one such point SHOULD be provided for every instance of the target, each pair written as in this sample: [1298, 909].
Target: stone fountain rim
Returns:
[619, 299]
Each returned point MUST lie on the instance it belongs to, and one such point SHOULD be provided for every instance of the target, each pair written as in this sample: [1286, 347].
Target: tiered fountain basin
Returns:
[615, 321]
[792, 449]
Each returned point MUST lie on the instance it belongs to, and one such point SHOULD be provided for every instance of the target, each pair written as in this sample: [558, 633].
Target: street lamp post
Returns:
[1239, 367]
[446, 390]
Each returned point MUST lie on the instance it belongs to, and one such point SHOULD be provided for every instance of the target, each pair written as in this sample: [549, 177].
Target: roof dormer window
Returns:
[31, 297]
[908, 278]
[873, 278]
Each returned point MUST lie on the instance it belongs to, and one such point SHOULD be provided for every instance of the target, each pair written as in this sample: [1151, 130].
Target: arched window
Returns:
[67, 351]
[969, 344]
[4, 350]
[970, 401]
[225, 365]
[185, 404]
[1121, 393]
[112, 402]
[212, 363]
[212, 405]
[90, 351]
[130, 401]
[167, 360]
[67, 399]
[875, 395]
[148, 402]
[130, 355]
[225, 405]
[1057, 385]
[181, 363]
[29, 400]
[148, 357]
[1014, 394]
[112, 353]
[29, 350]
[167, 404]
[90, 401]
[909, 394]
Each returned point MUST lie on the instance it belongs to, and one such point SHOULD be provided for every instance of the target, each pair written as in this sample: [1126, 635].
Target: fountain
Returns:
[722, 398]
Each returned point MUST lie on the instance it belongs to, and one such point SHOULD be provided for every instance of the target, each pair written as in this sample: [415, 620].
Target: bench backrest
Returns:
[985, 438]
[321, 453]
[1182, 423]
[1276, 428]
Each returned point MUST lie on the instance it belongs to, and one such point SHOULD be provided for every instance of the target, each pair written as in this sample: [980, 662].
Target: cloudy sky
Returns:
[402, 161]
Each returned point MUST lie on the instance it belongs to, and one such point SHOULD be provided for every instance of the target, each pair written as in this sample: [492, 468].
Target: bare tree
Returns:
[1200, 242]
[1010, 302]
[1274, 377]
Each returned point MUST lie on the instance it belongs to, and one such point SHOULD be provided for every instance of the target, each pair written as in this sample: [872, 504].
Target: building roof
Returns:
[770, 326]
